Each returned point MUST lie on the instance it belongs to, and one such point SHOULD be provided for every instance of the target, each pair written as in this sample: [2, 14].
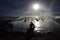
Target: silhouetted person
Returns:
[30, 31]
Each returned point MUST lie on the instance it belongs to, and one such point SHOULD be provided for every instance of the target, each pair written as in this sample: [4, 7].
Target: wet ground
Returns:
[37, 36]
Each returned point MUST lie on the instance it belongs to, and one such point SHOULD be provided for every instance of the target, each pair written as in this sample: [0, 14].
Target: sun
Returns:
[36, 6]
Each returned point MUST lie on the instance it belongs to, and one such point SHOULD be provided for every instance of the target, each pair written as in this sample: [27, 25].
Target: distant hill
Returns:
[57, 14]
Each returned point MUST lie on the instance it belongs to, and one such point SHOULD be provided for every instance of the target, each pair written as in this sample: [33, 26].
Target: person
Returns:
[30, 31]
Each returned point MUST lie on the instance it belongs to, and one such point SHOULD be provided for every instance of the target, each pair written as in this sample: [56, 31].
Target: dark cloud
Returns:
[11, 7]
[56, 7]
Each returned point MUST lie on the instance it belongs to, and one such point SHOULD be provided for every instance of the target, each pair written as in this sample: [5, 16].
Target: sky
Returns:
[18, 7]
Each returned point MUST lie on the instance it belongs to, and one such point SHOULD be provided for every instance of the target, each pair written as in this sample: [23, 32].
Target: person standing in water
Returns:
[30, 31]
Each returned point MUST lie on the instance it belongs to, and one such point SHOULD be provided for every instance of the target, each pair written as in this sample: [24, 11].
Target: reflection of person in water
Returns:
[30, 31]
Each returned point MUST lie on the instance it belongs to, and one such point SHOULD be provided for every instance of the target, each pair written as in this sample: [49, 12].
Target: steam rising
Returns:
[47, 25]
[45, 13]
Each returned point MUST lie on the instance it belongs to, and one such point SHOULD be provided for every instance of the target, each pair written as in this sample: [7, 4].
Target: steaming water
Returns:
[48, 25]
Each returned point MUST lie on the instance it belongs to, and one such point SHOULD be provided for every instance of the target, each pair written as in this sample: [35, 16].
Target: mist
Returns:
[45, 13]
